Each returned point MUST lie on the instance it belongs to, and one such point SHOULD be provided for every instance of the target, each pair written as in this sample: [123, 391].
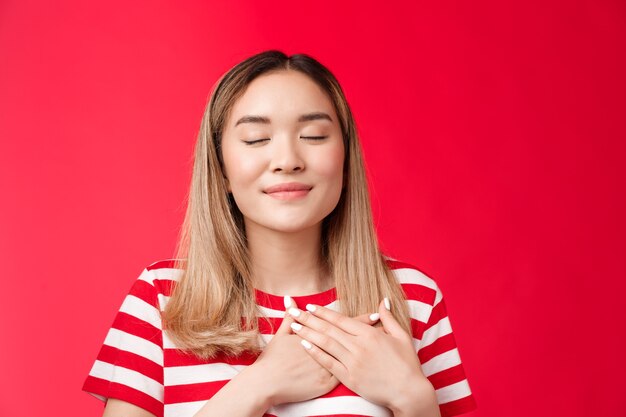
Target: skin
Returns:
[380, 366]
[284, 239]
[284, 236]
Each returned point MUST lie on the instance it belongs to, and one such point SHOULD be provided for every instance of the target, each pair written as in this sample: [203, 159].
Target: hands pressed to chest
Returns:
[378, 363]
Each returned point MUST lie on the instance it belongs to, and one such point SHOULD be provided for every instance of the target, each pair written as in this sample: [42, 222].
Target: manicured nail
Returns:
[311, 307]
[374, 316]
[306, 344]
[296, 326]
[294, 312]
[387, 304]
[288, 301]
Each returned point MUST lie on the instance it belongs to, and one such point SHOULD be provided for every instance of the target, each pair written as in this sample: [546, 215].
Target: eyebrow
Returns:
[303, 118]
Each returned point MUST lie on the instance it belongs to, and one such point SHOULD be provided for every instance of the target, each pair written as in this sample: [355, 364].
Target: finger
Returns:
[368, 318]
[284, 327]
[390, 324]
[347, 324]
[332, 365]
[373, 320]
[322, 333]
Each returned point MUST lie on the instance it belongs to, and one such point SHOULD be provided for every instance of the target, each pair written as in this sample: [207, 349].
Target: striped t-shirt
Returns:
[139, 364]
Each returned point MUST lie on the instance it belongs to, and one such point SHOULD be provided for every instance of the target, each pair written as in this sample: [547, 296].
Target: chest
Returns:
[189, 383]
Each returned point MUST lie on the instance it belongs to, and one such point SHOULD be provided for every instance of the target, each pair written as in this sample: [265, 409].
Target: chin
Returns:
[287, 224]
[286, 220]
[292, 227]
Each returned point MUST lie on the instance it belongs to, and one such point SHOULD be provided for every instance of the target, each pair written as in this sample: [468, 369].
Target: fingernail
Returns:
[306, 344]
[387, 304]
[288, 301]
[294, 312]
[311, 307]
[296, 326]
[374, 316]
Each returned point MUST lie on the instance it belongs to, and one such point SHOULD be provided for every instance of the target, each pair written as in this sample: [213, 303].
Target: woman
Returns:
[279, 301]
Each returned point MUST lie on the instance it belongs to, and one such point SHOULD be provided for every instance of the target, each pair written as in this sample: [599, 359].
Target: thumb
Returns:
[285, 325]
[390, 324]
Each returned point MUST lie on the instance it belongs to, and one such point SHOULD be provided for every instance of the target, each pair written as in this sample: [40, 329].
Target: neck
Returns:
[287, 263]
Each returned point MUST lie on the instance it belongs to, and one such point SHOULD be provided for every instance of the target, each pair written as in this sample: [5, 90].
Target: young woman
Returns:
[279, 301]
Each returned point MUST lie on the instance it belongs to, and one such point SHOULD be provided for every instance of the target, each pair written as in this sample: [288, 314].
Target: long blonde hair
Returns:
[212, 309]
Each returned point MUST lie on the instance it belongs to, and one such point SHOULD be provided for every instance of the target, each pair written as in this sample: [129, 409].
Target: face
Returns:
[283, 153]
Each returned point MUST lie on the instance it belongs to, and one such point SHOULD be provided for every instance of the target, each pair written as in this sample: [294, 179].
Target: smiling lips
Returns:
[288, 190]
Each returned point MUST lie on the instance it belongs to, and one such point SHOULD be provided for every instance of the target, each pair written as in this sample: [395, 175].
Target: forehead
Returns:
[282, 96]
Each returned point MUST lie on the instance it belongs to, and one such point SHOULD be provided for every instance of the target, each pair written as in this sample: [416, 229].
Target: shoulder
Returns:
[416, 284]
[166, 268]
[160, 276]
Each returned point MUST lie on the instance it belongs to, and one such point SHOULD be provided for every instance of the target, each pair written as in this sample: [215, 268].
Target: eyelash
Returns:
[252, 142]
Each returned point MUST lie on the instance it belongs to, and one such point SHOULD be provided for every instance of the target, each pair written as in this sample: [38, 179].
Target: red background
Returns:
[494, 134]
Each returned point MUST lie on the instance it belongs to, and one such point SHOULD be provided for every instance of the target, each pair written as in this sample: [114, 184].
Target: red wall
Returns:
[494, 134]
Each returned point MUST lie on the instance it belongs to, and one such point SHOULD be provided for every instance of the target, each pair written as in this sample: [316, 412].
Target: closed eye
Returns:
[252, 142]
[314, 137]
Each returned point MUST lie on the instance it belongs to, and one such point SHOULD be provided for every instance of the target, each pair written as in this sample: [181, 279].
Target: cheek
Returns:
[330, 163]
[241, 169]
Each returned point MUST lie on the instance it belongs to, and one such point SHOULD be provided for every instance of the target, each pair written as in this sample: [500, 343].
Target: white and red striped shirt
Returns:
[139, 364]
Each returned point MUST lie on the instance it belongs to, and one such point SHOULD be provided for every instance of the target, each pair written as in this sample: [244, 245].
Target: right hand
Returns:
[290, 373]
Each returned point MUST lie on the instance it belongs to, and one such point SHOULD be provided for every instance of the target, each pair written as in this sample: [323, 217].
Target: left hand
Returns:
[379, 364]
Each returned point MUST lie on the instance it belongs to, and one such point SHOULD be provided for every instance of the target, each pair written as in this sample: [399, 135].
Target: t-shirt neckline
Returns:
[276, 302]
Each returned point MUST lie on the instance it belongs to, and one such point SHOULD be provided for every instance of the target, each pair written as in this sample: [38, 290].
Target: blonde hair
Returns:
[212, 309]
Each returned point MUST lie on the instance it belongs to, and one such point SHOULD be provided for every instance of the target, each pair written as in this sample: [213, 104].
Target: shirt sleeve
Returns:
[441, 362]
[129, 366]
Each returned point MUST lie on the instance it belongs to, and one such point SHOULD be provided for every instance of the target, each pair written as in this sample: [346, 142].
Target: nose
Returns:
[286, 155]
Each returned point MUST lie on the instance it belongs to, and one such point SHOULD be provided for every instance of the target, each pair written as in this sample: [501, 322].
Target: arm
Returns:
[246, 395]
[405, 405]
[115, 407]
[128, 370]
[242, 396]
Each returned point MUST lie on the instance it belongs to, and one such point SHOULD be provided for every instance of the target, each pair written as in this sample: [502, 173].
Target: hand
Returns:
[289, 371]
[380, 365]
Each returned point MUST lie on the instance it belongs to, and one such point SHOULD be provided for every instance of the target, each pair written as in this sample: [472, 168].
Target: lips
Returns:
[288, 186]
